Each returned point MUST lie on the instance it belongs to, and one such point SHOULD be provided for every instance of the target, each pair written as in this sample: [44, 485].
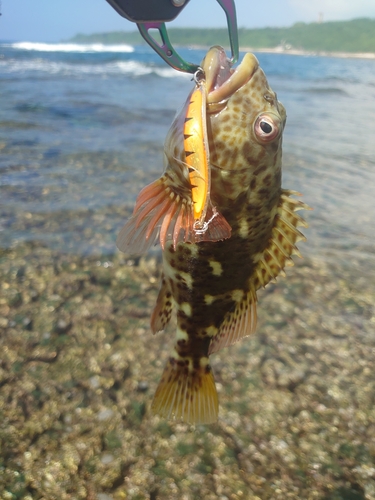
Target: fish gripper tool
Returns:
[153, 14]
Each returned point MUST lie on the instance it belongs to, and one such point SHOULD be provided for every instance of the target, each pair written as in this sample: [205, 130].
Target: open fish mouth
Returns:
[222, 81]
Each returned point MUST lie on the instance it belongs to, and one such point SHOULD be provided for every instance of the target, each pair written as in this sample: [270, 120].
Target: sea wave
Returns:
[44, 66]
[71, 47]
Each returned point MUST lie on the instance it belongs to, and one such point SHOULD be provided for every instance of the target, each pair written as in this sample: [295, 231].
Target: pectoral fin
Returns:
[158, 212]
[161, 212]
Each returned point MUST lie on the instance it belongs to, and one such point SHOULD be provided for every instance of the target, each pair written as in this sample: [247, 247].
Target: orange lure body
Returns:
[197, 155]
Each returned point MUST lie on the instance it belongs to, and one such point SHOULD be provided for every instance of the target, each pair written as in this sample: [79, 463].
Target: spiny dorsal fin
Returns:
[187, 393]
[163, 309]
[237, 324]
[282, 244]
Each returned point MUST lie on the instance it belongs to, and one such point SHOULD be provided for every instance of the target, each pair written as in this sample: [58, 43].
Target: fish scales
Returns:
[211, 280]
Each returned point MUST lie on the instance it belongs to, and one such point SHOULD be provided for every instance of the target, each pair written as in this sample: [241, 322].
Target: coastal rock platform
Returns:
[79, 366]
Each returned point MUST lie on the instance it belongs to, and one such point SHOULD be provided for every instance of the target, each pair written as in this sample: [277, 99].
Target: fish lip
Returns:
[222, 81]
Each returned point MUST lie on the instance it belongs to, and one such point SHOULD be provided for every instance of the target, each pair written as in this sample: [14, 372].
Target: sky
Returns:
[58, 20]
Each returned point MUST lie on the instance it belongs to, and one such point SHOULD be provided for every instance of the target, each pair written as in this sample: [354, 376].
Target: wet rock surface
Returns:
[79, 366]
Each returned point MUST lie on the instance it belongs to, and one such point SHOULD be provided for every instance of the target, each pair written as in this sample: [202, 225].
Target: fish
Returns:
[211, 274]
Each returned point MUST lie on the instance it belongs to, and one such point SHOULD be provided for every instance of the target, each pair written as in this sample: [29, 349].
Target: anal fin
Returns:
[163, 309]
[237, 324]
[186, 393]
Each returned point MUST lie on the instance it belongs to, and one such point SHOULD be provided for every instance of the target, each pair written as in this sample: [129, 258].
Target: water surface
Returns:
[82, 130]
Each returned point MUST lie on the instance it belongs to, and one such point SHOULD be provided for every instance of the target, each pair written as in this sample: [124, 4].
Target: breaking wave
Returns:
[71, 47]
[41, 66]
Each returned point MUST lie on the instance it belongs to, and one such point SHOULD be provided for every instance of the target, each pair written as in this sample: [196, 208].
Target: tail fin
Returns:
[187, 393]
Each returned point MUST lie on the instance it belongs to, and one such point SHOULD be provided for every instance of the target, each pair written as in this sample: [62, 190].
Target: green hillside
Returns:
[357, 35]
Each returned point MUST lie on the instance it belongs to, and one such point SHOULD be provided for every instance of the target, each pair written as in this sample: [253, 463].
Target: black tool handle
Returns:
[143, 11]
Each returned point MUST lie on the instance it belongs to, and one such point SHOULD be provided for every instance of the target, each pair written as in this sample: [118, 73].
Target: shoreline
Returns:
[296, 52]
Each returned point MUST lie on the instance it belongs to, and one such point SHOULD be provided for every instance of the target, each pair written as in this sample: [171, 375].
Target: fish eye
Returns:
[266, 127]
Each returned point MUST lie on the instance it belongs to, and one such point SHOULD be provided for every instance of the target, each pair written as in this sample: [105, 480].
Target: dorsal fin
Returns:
[163, 308]
[282, 244]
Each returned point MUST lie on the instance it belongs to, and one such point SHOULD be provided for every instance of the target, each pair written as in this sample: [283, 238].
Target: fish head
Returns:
[245, 121]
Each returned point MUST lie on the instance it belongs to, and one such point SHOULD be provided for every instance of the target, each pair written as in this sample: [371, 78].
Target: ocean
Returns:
[82, 130]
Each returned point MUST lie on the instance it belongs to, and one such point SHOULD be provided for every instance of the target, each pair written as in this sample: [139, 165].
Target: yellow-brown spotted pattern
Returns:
[212, 285]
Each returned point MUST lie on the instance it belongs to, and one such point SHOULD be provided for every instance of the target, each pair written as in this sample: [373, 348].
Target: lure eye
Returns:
[266, 127]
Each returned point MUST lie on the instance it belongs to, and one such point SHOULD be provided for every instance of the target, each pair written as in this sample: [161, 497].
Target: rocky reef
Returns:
[79, 366]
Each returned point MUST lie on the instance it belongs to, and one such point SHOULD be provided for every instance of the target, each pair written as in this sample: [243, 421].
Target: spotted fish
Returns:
[211, 280]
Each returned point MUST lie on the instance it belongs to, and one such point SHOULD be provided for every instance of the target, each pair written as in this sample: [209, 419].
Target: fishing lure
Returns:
[197, 152]
[178, 206]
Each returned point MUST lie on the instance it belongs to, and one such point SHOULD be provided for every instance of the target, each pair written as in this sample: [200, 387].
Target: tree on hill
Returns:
[357, 35]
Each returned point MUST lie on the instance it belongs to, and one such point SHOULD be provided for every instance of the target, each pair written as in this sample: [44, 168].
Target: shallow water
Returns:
[82, 130]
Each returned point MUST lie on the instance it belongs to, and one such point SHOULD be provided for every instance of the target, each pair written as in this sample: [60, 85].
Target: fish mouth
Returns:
[222, 81]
